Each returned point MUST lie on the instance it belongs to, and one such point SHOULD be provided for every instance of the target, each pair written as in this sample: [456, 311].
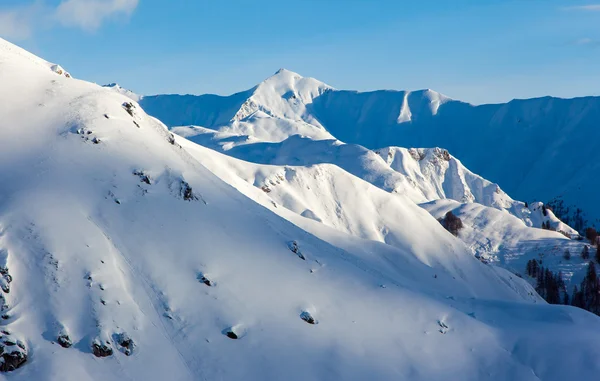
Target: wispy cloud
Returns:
[589, 7]
[586, 41]
[12, 26]
[22, 21]
[90, 14]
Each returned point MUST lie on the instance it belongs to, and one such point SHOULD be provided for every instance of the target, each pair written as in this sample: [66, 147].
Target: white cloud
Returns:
[22, 21]
[90, 14]
[17, 22]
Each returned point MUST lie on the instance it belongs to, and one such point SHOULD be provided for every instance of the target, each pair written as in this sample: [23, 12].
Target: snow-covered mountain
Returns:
[423, 175]
[537, 149]
[124, 256]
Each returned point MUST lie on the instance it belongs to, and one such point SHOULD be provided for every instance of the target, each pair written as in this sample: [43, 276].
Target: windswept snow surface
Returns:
[537, 149]
[111, 227]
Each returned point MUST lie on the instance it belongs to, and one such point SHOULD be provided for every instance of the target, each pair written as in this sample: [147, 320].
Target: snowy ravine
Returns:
[537, 149]
[118, 242]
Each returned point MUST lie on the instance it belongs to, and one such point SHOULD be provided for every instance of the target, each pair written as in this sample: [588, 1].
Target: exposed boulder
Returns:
[13, 353]
[101, 349]
[126, 343]
[64, 340]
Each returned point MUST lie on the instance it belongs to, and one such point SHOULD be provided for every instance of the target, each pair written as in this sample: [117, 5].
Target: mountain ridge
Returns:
[535, 148]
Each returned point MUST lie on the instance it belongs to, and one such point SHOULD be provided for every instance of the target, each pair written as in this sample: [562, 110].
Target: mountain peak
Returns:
[285, 71]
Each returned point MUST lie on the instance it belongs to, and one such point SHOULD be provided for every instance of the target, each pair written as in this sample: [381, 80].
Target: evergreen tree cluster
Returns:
[588, 294]
[549, 285]
[552, 288]
[546, 225]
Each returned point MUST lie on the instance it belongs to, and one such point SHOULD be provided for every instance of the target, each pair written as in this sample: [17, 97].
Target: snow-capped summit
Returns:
[284, 95]
[128, 93]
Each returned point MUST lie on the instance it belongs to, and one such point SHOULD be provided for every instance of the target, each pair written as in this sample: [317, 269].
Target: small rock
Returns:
[231, 335]
[64, 340]
[126, 343]
[204, 279]
[307, 317]
[129, 107]
[101, 349]
[295, 248]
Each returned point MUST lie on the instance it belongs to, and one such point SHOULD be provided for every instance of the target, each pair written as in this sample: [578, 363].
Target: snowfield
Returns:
[150, 257]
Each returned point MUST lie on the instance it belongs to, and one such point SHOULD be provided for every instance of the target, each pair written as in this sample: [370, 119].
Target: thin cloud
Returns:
[23, 21]
[90, 14]
[586, 42]
[589, 7]
[17, 22]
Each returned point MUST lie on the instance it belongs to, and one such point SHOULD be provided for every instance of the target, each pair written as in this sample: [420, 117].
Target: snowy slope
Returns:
[537, 149]
[128, 93]
[328, 194]
[110, 228]
[420, 174]
[503, 239]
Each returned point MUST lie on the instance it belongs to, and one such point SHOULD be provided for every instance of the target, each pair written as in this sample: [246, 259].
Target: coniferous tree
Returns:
[585, 254]
[591, 234]
[567, 255]
[577, 298]
[598, 254]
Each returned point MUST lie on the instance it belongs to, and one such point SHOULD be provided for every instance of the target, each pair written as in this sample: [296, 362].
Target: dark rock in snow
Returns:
[307, 317]
[129, 107]
[205, 280]
[186, 192]
[101, 349]
[231, 335]
[64, 340]
[143, 177]
[293, 246]
[126, 344]
[13, 353]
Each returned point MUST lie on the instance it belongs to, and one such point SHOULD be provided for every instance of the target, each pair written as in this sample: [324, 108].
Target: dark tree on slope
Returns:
[567, 255]
[452, 223]
[551, 286]
[577, 298]
[598, 253]
[532, 268]
[592, 235]
[585, 254]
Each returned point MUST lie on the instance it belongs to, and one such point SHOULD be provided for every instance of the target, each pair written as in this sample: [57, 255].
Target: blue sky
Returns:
[475, 50]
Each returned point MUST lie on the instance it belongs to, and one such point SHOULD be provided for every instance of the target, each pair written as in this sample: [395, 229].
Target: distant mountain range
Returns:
[536, 149]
